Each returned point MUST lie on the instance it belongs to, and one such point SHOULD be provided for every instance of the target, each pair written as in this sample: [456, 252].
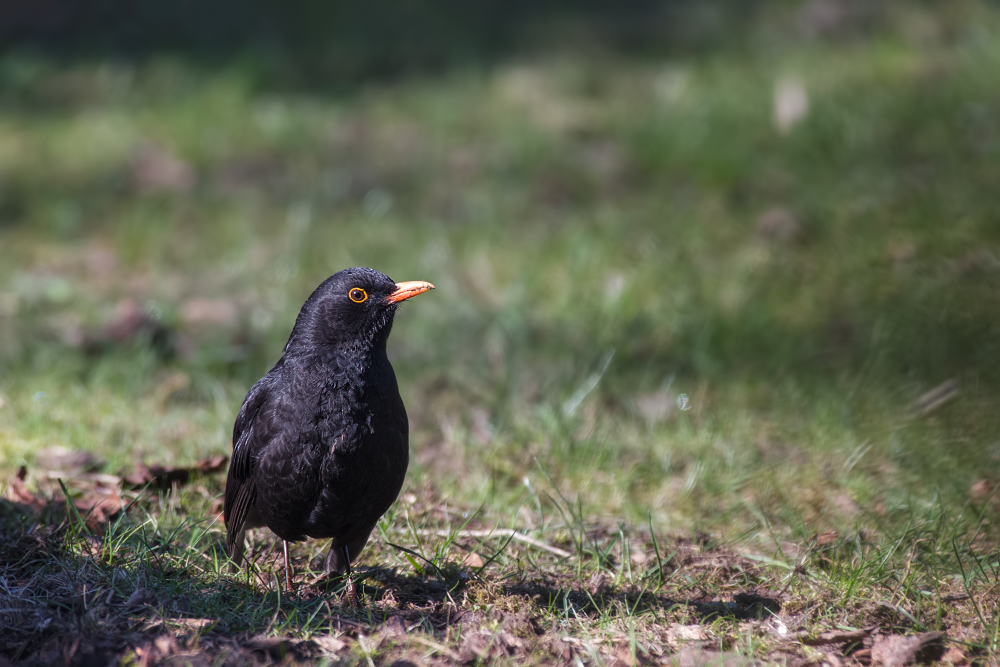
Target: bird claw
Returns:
[352, 594]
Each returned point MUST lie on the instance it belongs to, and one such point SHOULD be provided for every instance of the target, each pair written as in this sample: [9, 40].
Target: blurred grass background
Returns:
[785, 211]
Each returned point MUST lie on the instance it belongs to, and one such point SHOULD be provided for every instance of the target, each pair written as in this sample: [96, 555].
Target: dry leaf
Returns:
[17, 492]
[129, 321]
[678, 634]
[166, 476]
[982, 490]
[67, 460]
[212, 463]
[897, 650]
[597, 584]
[394, 626]
[829, 537]
[165, 645]
[96, 507]
[330, 644]
[472, 559]
[954, 656]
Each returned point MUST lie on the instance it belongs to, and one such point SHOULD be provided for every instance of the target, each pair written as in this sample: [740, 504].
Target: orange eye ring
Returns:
[357, 295]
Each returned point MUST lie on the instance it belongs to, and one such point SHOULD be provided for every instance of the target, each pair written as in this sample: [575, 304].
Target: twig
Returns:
[502, 532]
[935, 398]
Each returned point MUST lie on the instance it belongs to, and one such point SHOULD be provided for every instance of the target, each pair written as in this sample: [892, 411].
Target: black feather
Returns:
[320, 445]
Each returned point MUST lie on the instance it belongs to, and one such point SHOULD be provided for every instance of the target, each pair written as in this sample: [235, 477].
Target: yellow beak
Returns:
[408, 290]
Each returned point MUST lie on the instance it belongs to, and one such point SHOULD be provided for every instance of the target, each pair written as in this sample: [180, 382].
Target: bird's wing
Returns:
[241, 490]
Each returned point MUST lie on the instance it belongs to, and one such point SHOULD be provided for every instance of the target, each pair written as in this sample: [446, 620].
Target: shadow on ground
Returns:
[78, 599]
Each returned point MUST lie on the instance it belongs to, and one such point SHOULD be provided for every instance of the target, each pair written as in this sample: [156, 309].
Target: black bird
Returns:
[320, 446]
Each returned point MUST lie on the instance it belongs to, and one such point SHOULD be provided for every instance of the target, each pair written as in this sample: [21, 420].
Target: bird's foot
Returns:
[351, 593]
[288, 569]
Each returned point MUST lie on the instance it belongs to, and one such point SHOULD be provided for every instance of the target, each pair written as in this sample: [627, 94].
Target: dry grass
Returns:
[150, 586]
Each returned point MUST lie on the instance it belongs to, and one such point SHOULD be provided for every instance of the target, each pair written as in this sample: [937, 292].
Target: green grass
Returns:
[597, 233]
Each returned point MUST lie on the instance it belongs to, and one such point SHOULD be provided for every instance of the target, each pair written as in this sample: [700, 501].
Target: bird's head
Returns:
[352, 309]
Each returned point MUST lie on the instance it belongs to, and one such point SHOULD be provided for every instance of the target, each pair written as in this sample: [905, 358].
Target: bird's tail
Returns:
[236, 550]
[236, 544]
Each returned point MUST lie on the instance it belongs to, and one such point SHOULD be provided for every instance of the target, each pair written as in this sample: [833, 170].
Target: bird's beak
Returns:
[408, 290]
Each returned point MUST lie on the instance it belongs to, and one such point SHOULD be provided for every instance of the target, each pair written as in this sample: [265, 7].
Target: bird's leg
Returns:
[288, 573]
[352, 592]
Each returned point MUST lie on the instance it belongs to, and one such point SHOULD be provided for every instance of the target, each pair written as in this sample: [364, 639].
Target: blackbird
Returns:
[320, 446]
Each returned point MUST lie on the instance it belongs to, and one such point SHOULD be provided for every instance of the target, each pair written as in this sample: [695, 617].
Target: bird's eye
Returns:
[357, 295]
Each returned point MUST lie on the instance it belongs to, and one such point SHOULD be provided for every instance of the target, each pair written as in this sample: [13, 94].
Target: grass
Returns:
[605, 237]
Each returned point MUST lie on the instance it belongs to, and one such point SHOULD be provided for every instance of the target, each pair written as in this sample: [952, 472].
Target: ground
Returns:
[709, 377]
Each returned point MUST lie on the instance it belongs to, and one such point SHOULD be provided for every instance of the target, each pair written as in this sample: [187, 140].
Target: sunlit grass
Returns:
[604, 238]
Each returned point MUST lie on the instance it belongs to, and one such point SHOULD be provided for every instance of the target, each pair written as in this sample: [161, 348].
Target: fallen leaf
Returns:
[982, 490]
[166, 476]
[165, 645]
[141, 476]
[954, 656]
[96, 508]
[94, 546]
[67, 460]
[832, 660]
[212, 463]
[17, 492]
[329, 644]
[678, 634]
[597, 584]
[897, 650]
[624, 658]
[394, 626]
[472, 559]
[829, 537]
[86, 479]
[217, 506]
[129, 321]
